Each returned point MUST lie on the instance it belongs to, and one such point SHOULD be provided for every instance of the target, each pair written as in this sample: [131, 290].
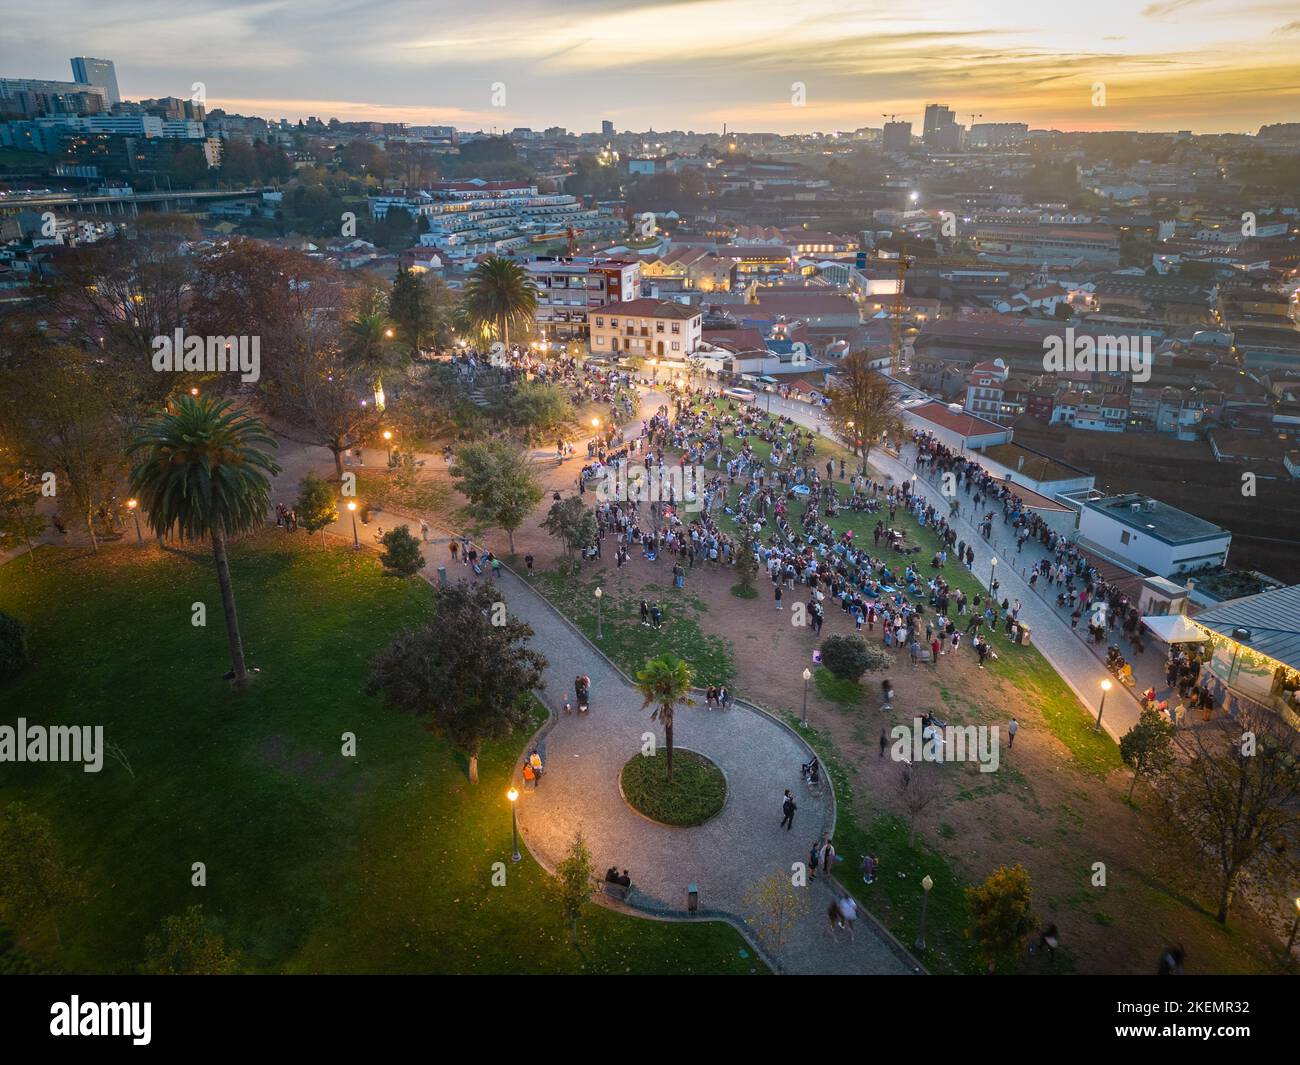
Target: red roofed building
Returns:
[957, 429]
[646, 327]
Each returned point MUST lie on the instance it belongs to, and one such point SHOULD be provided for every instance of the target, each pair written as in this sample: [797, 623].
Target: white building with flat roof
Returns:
[1150, 537]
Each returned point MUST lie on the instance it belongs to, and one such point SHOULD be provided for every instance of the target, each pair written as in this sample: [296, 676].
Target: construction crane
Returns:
[973, 117]
[896, 348]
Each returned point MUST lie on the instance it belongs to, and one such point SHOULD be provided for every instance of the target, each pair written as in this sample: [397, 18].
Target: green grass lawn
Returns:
[629, 643]
[697, 791]
[315, 862]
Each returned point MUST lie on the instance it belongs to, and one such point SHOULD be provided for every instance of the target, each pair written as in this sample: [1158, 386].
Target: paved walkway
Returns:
[584, 754]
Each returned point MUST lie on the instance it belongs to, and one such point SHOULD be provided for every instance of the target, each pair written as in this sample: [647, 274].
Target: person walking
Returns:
[1012, 729]
[814, 859]
[828, 856]
[847, 908]
[788, 808]
[776, 593]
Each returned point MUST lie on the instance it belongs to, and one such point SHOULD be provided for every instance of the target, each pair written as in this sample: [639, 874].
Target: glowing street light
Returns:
[513, 796]
[1105, 687]
[599, 596]
[388, 441]
[132, 505]
[356, 540]
[807, 676]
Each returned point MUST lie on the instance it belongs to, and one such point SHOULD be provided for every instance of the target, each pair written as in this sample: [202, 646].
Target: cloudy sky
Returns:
[1205, 65]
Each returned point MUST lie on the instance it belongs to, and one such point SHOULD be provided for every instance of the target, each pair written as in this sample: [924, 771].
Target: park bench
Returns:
[616, 891]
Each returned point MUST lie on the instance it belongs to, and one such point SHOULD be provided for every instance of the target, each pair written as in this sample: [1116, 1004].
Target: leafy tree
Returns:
[469, 676]
[849, 656]
[500, 483]
[571, 522]
[1147, 748]
[14, 655]
[499, 293]
[53, 402]
[188, 945]
[411, 309]
[204, 473]
[774, 905]
[1235, 796]
[35, 881]
[19, 517]
[317, 506]
[537, 408]
[863, 407]
[1001, 912]
[575, 873]
[664, 682]
[401, 556]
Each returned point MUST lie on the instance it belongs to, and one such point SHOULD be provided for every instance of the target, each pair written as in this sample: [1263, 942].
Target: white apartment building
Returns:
[466, 219]
[646, 327]
[569, 291]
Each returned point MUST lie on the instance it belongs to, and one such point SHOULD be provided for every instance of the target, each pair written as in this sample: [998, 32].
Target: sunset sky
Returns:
[1204, 65]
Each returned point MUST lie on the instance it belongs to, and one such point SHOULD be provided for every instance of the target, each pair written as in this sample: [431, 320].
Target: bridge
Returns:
[128, 204]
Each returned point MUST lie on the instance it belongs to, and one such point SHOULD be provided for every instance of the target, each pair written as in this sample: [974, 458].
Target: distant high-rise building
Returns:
[897, 136]
[607, 128]
[940, 131]
[99, 72]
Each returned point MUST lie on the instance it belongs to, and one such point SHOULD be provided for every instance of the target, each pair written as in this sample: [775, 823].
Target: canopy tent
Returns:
[1174, 628]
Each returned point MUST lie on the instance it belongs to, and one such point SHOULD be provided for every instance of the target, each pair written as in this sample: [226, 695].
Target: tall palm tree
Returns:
[368, 339]
[202, 472]
[500, 291]
[664, 682]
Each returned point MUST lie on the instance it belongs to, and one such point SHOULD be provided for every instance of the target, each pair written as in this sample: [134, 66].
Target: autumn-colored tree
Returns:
[863, 407]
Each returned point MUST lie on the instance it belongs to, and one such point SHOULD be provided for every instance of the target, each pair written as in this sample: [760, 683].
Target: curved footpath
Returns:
[584, 756]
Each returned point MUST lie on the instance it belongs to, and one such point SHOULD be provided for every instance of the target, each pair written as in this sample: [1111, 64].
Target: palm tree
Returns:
[664, 682]
[500, 291]
[202, 471]
[369, 344]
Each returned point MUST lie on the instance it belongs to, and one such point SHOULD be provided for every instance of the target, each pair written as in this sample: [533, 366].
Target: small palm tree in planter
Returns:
[664, 682]
[203, 472]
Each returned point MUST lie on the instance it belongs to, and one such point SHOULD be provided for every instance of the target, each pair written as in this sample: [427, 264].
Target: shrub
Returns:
[401, 555]
[13, 645]
[848, 657]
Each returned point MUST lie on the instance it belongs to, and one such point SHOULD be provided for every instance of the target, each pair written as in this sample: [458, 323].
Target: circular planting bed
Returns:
[697, 791]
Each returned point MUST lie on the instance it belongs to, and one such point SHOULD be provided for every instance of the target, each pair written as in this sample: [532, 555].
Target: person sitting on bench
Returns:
[812, 771]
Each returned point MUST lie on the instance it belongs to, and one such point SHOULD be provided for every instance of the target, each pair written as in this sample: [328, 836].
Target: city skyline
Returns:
[692, 64]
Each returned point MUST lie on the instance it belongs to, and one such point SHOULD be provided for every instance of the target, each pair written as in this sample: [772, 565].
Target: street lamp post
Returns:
[1295, 926]
[993, 571]
[388, 443]
[599, 596]
[807, 676]
[926, 885]
[513, 796]
[352, 508]
[131, 505]
[1105, 687]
